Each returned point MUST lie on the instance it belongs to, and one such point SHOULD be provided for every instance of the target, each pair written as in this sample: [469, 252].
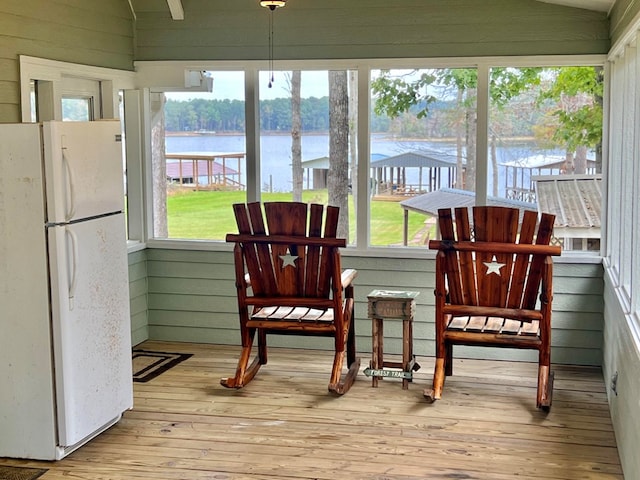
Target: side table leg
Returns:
[407, 350]
[376, 356]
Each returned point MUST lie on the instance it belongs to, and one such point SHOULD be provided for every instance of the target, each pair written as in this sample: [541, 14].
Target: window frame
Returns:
[628, 151]
[159, 75]
[80, 88]
[61, 79]
[621, 261]
[635, 185]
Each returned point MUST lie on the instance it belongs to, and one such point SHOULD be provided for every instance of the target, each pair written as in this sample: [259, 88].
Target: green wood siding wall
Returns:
[90, 32]
[138, 297]
[192, 298]
[331, 29]
[622, 15]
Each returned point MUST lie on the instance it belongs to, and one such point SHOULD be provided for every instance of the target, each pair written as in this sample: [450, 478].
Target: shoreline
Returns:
[378, 136]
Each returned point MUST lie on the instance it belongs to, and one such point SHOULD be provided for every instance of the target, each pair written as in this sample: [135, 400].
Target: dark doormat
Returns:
[20, 473]
[148, 365]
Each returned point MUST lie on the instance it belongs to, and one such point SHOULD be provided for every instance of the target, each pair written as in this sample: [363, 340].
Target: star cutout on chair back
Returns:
[288, 259]
[494, 266]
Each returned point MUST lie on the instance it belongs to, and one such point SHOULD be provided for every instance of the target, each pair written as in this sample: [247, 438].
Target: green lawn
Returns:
[208, 215]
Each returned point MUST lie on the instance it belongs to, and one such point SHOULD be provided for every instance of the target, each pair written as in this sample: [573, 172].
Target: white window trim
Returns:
[629, 153]
[112, 81]
[634, 181]
[621, 261]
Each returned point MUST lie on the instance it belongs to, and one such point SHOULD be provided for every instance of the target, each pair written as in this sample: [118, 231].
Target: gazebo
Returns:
[318, 169]
[391, 175]
[206, 169]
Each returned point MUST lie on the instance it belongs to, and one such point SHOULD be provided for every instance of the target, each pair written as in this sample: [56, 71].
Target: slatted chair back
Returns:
[289, 280]
[290, 238]
[517, 278]
[494, 287]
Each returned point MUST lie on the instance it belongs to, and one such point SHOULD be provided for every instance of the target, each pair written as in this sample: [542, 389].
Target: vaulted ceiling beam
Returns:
[175, 7]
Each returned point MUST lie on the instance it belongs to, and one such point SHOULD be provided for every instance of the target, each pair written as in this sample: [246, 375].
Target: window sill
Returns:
[373, 252]
[135, 246]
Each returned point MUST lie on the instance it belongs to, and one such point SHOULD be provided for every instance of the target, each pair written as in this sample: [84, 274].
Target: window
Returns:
[81, 100]
[52, 90]
[77, 109]
[469, 131]
[199, 159]
[543, 136]
[294, 134]
[545, 146]
[423, 144]
[200, 151]
[616, 194]
[303, 157]
[623, 239]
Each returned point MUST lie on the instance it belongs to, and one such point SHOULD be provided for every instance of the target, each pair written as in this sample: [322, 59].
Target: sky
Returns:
[315, 83]
[230, 85]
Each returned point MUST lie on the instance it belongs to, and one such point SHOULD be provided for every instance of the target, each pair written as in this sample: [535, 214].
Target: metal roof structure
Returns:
[416, 159]
[575, 200]
[541, 161]
[537, 161]
[318, 168]
[429, 203]
[323, 162]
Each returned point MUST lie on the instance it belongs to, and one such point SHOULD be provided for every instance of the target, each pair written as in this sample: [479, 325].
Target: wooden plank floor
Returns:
[285, 425]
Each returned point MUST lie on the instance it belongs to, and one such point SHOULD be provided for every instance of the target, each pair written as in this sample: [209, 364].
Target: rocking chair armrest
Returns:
[495, 247]
[348, 276]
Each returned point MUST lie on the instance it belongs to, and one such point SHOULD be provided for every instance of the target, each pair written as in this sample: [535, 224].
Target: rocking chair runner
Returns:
[289, 281]
[487, 288]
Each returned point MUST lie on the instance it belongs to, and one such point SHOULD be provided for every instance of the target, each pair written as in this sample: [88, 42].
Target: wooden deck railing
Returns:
[190, 167]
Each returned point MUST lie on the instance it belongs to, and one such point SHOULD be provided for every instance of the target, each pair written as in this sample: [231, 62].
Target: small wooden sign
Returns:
[370, 372]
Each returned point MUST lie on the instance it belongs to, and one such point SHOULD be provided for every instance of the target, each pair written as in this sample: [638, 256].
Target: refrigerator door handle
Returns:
[71, 203]
[74, 265]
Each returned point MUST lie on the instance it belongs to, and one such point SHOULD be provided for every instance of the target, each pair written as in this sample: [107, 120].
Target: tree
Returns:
[353, 135]
[396, 95]
[338, 178]
[159, 165]
[296, 142]
[577, 93]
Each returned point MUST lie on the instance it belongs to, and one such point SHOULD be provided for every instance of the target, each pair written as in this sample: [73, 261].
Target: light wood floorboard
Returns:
[285, 425]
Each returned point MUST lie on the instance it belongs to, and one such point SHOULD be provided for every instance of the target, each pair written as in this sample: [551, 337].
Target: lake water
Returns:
[275, 154]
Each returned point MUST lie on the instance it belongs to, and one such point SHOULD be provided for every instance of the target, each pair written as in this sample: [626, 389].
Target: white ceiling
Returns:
[598, 5]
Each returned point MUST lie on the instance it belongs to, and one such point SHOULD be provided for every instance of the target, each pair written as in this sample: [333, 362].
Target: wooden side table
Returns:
[392, 304]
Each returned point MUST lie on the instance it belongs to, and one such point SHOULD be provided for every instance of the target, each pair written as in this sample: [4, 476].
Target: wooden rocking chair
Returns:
[487, 288]
[289, 281]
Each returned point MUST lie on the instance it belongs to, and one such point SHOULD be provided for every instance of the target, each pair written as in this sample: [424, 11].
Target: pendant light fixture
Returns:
[272, 5]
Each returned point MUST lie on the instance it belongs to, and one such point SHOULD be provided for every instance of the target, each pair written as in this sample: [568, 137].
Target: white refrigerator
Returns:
[65, 336]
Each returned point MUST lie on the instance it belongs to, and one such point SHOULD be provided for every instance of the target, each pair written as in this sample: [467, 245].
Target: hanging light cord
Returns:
[272, 5]
[271, 10]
